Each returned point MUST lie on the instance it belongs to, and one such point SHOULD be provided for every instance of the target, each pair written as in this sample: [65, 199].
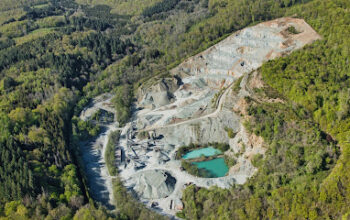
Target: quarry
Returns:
[196, 103]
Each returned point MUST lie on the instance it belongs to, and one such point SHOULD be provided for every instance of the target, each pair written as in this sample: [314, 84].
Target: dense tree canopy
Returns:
[297, 178]
[55, 55]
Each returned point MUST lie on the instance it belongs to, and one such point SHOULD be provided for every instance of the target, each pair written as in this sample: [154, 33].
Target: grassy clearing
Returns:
[129, 7]
[43, 5]
[14, 29]
[34, 35]
[52, 21]
[6, 5]
[11, 14]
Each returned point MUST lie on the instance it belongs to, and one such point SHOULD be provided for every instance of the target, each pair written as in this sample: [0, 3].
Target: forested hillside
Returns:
[56, 55]
[296, 179]
[42, 77]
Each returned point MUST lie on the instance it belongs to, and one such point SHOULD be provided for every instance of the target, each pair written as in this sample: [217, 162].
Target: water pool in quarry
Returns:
[208, 152]
[216, 167]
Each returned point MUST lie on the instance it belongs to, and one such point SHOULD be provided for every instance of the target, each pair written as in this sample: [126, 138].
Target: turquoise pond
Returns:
[217, 167]
[208, 151]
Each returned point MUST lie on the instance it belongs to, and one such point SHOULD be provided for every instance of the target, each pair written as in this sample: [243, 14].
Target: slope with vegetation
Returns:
[56, 55]
[297, 178]
[41, 87]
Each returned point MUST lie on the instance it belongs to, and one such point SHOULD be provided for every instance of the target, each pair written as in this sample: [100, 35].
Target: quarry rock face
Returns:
[204, 75]
[196, 103]
[201, 131]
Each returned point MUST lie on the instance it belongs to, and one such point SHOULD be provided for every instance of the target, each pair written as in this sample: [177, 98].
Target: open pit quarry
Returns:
[195, 104]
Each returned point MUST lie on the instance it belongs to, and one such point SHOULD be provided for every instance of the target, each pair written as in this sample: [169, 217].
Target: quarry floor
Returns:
[195, 104]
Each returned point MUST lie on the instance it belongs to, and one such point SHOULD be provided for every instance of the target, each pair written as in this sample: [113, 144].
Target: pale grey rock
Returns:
[154, 184]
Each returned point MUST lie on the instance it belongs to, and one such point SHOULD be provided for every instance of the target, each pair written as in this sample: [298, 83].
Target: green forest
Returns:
[56, 55]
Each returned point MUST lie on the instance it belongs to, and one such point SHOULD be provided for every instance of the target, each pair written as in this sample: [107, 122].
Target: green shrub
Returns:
[113, 140]
[180, 215]
[230, 161]
[143, 135]
[220, 146]
[292, 30]
[237, 85]
[122, 102]
[129, 206]
[256, 161]
[194, 170]
[230, 133]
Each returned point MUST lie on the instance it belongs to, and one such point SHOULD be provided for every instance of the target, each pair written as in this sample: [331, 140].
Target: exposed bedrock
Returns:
[201, 131]
[194, 87]
[200, 102]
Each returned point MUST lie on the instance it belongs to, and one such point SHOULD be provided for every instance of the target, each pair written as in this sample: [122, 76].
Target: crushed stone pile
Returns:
[154, 184]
